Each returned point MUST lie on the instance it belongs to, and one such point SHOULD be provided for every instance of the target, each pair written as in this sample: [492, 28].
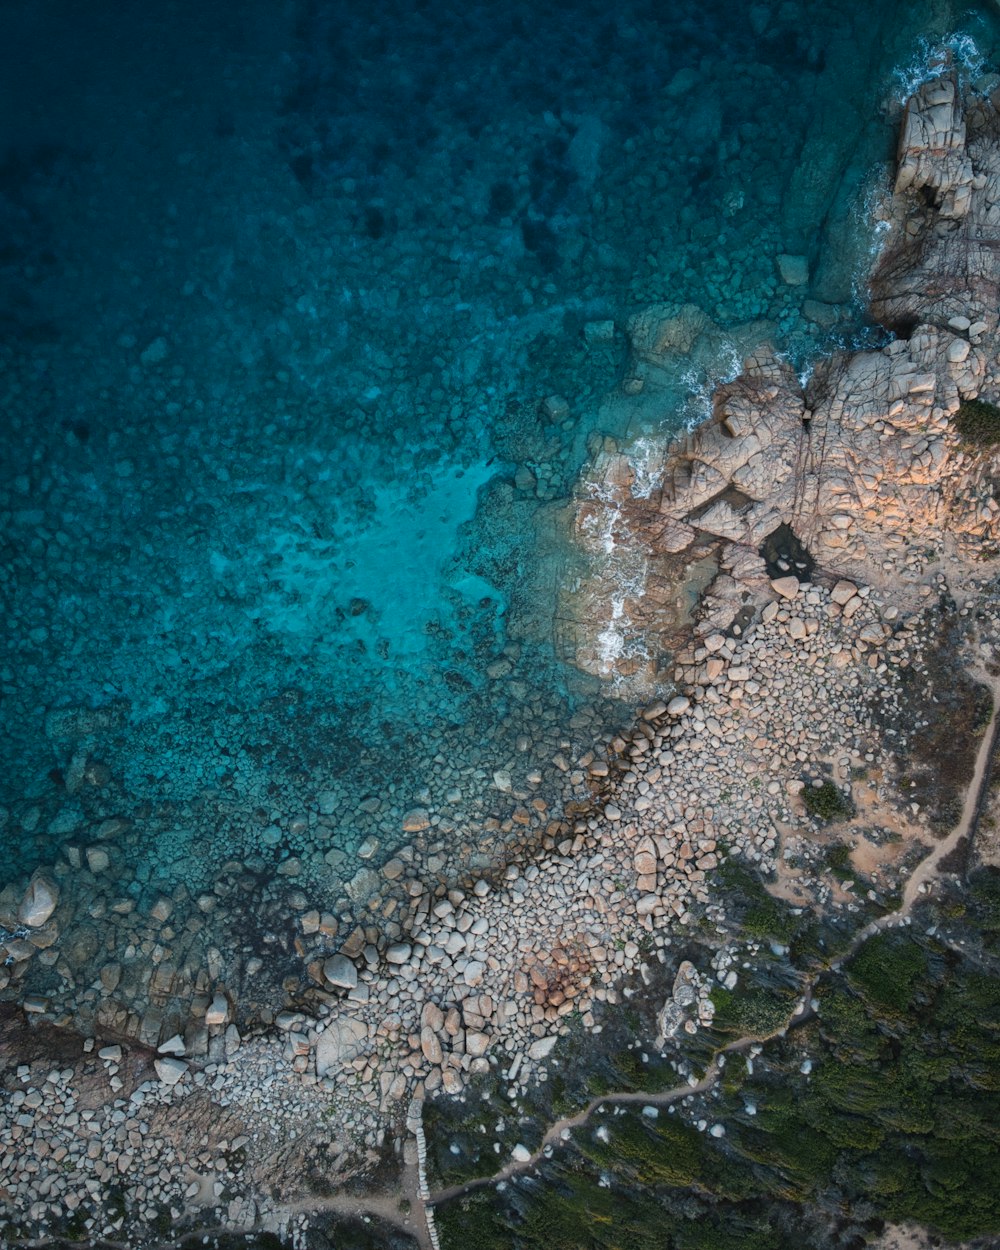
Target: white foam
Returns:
[646, 457]
[932, 56]
[701, 382]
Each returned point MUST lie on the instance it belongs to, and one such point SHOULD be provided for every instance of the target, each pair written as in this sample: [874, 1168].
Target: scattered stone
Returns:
[340, 1042]
[98, 860]
[416, 820]
[843, 592]
[542, 1048]
[644, 859]
[430, 1045]
[958, 351]
[170, 1070]
[39, 902]
[473, 974]
[161, 909]
[786, 587]
[339, 971]
[218, 1011]
[476, 1044]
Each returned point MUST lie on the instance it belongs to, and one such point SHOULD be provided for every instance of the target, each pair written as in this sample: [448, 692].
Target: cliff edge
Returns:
[870, 471]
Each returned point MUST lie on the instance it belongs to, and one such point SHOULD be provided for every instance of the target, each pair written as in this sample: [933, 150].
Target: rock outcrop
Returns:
[932, 152]
[862, 470]
[940, 259]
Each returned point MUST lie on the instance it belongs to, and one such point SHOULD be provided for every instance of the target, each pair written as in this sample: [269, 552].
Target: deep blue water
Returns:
[283, 288]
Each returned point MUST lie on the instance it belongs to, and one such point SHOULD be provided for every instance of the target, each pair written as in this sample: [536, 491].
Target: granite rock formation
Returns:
[860, 473]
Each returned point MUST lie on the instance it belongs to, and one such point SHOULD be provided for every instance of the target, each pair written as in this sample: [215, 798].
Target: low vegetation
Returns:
[978, 423]
[827, 802]
[882, 1107]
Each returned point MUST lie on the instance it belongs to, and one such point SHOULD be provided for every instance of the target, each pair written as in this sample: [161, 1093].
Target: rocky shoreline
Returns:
[837, 522]
[860, 460]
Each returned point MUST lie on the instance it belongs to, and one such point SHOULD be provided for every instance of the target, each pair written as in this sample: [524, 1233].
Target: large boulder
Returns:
[340, 1042]
[40, 901]
[339, 971]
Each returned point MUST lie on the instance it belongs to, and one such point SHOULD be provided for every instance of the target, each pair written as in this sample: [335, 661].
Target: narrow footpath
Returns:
[917, 887]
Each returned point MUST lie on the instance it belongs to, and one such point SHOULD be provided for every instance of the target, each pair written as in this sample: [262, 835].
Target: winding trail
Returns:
[919, 881]
[554, 1135]
[917, 886]
[971, 809]
[418, 1221]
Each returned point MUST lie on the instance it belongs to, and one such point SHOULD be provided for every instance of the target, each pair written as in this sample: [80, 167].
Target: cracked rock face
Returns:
[864, 465]
[932, 149]
[342, 1040]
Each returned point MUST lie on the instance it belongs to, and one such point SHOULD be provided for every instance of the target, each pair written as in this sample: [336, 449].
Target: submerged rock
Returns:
[39, 902]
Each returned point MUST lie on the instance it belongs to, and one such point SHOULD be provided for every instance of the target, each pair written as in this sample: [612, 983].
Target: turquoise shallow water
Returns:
[284, 288]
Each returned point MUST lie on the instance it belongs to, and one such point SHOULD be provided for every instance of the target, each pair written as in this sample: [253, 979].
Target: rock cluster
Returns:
[862, 463]
[491, 973]
[768, 667]
[204, 1140]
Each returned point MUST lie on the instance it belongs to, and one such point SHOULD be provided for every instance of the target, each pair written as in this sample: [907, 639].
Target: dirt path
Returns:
[554, 1136]
[927, 868]
[919, 882]
[916, 887]
[386, 1207]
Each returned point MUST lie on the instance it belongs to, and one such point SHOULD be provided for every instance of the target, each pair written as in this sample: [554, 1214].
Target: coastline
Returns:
[775, 690]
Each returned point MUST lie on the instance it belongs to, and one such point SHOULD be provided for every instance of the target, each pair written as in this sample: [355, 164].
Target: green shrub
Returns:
[768, 918]
[752, 1011]
[827, 802]
[764, 916]
[838, 856]
[899, 1116]
[978, 423]
[886, 970]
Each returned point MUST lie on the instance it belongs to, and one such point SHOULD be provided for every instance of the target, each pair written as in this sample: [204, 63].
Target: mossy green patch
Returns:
[978, 423]
[895, 1117]
[827, 802]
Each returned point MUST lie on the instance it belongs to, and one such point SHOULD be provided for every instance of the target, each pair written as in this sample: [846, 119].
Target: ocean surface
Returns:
[284, 288]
